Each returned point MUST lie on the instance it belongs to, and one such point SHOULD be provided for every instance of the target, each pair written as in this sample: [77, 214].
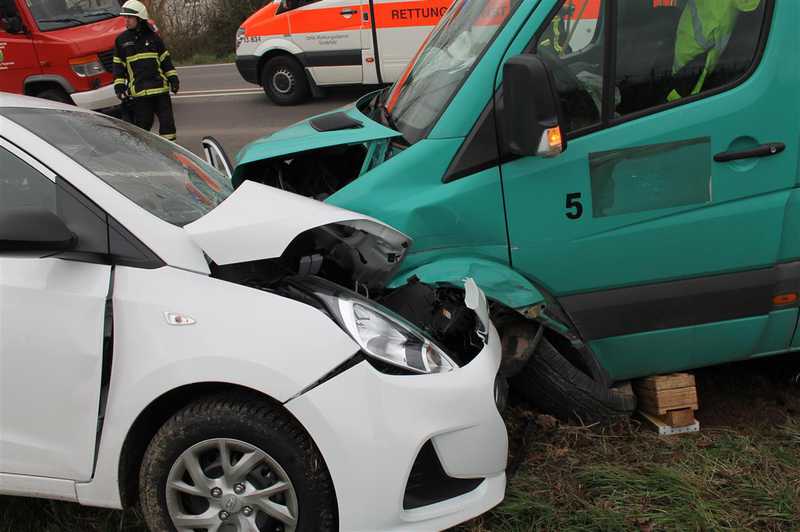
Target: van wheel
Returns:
[284, 80]
[235, 463]
[56, 95]
[554, 385]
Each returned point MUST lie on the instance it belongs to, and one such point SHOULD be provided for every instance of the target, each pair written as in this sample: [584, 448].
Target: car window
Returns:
[21, 186]
[685, 48]
[666, 51]
[159, 176]
[571, 44]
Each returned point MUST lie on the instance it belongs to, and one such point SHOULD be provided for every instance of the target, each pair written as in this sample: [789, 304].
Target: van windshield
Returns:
[56, 14]
[444, 62]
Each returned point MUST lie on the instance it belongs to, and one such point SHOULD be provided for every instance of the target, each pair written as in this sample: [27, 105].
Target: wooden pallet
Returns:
[668, 402]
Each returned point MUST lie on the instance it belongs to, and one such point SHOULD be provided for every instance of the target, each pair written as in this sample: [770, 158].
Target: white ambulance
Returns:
[293, 47]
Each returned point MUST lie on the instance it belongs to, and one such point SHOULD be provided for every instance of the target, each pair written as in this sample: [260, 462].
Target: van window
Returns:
[683, 49]
[571, 44]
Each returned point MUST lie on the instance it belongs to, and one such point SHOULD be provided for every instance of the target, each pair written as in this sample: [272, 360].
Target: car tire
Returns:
[56, 95]
[284, 80]
[556, 386]
[278, 452]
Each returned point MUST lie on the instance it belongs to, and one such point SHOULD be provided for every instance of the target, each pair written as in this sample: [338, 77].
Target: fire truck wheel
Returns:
[284, 80]
[56, 95]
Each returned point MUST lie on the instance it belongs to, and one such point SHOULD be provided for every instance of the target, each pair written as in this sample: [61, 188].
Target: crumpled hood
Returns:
[302, 137]
[258, 222]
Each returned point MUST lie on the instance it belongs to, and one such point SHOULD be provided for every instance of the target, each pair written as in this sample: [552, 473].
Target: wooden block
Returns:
[665, 429]
[659, 403]
[680, 418]
[666, 382]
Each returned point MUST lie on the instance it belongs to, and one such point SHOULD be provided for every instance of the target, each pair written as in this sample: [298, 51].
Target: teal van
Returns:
[619, 176]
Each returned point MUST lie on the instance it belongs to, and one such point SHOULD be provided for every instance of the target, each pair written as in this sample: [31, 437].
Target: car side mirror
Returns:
[34, 230]
[531, 108]
[12, 24]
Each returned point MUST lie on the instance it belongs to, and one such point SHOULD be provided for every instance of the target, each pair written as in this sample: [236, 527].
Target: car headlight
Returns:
[86, 67]
[239, 37]
[388, 339]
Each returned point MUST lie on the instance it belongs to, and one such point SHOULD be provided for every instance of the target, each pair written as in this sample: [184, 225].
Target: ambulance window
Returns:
[571, 44]
[682, 48]
[288, 5]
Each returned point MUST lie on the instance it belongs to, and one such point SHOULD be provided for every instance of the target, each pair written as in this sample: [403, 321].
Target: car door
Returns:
[655, 230]
[18, 58]
[400, 28]
[52, 320]
[329, 34]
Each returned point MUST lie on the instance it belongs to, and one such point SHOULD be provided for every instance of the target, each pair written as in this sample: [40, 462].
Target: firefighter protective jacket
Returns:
[142, 63]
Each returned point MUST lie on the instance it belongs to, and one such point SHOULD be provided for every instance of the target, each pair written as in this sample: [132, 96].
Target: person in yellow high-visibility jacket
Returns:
[704, 30]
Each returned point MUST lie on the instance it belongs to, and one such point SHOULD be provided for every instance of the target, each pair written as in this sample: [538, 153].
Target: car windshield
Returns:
[159, 176]
[444, 62]
[57, 14]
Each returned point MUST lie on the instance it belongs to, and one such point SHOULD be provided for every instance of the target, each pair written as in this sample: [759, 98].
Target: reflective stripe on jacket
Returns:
[705, 28]
[142, 63]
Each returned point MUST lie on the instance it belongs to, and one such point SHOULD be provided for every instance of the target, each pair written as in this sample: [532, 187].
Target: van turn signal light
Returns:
[551, 143]
[784, 299]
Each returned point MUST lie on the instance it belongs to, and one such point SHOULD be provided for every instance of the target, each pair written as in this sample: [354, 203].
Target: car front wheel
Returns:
[225, 465]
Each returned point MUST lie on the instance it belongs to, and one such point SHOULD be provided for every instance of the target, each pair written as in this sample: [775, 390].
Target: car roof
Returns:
[8, 99]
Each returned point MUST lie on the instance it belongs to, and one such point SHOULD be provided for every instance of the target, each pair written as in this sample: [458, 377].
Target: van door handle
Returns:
[348, 11]
[765, 150]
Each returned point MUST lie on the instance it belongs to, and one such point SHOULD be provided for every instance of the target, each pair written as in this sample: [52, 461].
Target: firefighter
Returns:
[704, 31]
[144, 73]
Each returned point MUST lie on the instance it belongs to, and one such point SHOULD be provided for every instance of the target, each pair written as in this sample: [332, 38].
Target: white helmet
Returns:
[134, 8]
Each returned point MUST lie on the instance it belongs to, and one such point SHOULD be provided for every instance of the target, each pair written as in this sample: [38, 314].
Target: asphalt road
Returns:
[215, 101]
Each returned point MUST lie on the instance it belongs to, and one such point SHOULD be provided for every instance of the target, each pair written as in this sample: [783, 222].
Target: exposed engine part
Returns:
[441, 312]
[341, 254]
[316, 174]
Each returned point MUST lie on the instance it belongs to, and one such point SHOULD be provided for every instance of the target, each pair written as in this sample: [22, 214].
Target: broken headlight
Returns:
[388, 339]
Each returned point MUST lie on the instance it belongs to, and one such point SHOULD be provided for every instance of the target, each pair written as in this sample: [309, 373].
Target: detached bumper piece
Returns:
[429, 484]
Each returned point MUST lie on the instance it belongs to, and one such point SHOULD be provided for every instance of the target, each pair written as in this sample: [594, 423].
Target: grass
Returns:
[205, 59]
[740, 473]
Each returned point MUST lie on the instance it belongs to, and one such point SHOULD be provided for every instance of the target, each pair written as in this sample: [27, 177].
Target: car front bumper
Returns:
[96, 99]
[371, 428]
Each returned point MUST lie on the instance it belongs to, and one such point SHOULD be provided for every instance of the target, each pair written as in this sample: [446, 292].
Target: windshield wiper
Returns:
[101, 13]
[64, 19]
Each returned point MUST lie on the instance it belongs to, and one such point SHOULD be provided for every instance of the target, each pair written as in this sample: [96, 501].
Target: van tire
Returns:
[551, 383]
[56, 95]
[284, 81]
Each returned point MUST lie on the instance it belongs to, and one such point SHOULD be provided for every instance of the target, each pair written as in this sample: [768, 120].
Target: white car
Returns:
[214, 353]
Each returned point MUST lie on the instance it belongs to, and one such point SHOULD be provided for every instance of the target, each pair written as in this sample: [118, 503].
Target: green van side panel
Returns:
[790, 242]
[651, 353]
[497, 280]
[301, 137]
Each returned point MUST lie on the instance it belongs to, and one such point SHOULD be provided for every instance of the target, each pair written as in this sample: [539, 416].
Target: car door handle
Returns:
[348, 11]
[765, 150]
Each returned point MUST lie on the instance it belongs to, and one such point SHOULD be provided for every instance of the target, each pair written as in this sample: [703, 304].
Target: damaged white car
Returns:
[229, 359]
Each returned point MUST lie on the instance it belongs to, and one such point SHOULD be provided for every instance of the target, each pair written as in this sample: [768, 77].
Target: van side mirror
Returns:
[34, 230]
[12, 24]
[531, 108]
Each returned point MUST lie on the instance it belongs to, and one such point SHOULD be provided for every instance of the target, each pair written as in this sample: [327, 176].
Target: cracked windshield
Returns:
[452, 50]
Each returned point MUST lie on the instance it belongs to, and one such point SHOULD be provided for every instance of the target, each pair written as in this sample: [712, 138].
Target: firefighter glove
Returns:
[174, 84]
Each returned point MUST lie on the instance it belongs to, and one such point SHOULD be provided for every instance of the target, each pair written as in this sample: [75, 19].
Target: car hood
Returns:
[258, 222]
[302, 137]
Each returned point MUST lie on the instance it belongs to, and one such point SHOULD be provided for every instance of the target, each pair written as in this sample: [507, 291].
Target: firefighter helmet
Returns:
[134, 8]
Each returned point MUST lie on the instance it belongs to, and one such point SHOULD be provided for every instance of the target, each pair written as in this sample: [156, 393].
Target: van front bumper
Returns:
[410, 453]
[248, 68]
[96, 99]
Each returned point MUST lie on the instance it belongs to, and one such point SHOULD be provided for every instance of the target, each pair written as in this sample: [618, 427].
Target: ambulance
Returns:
[293, 47]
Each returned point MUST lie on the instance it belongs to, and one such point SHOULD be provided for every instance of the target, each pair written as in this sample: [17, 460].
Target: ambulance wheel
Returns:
[56, 95]
[284, 81]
